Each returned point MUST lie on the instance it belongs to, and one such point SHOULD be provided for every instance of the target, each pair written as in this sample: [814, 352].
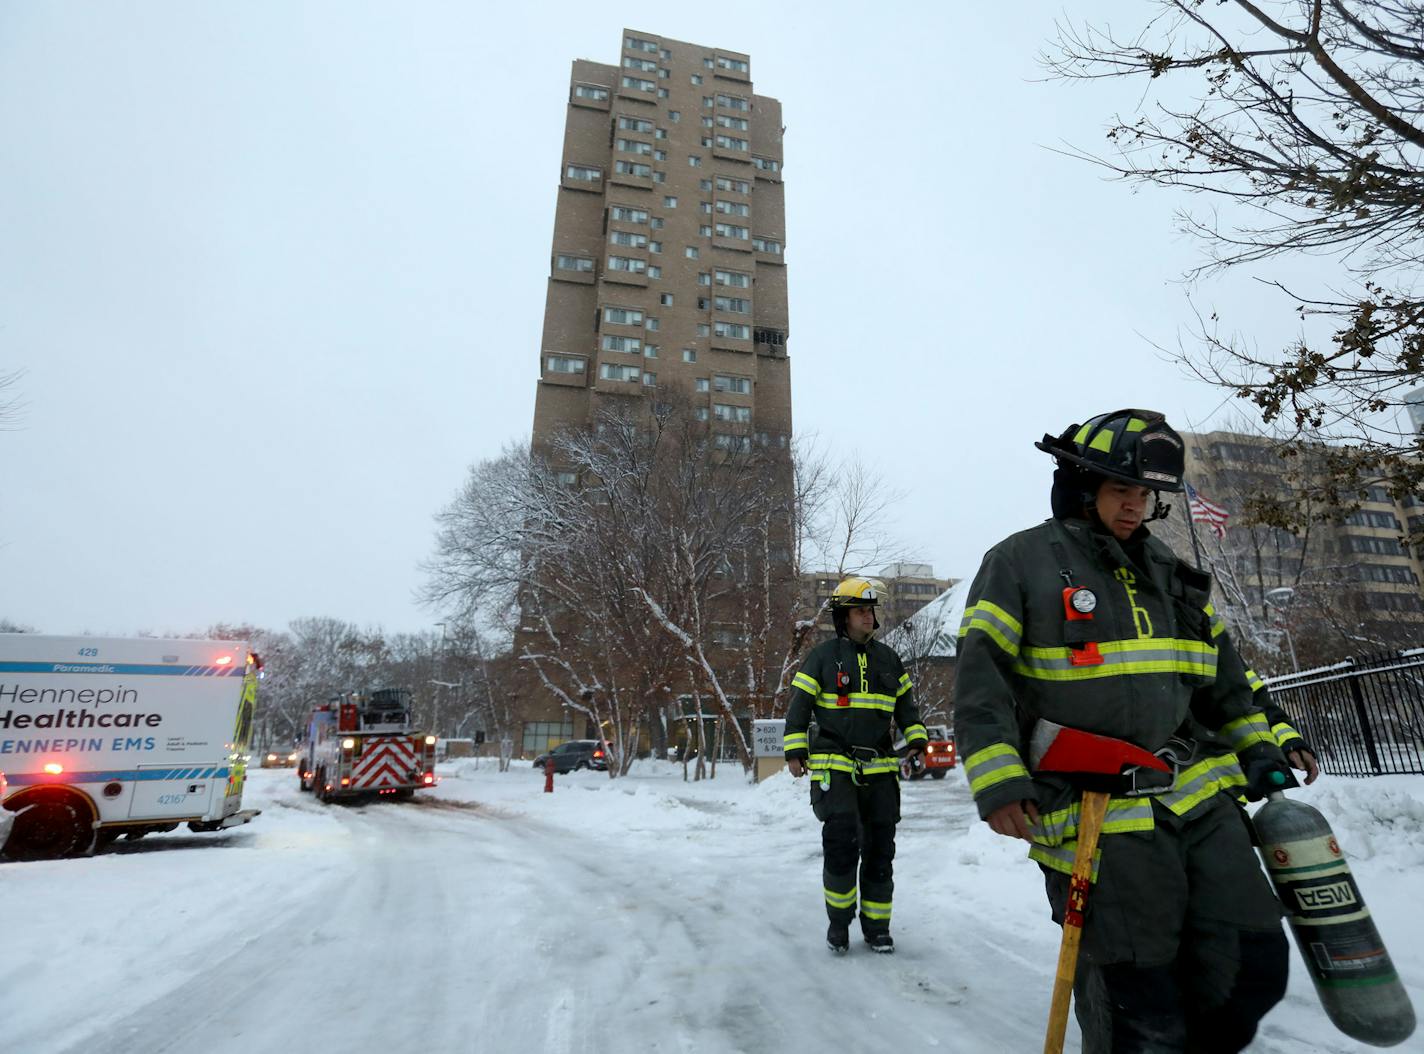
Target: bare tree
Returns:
[1305, 119]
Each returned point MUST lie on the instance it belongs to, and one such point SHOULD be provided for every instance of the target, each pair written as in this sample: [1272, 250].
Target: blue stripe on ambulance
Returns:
[127, 670]
[127, 775]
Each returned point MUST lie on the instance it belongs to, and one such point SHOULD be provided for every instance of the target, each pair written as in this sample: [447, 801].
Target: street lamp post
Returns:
[1280, 599]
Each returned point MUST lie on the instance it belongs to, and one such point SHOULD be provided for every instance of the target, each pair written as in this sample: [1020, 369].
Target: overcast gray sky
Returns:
[276, 272]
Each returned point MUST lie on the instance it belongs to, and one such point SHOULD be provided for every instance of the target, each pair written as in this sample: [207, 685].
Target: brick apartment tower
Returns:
[667, 266]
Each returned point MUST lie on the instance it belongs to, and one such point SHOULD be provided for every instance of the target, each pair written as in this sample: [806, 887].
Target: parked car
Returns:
[577, 754]
[939, 756]
[279, 759]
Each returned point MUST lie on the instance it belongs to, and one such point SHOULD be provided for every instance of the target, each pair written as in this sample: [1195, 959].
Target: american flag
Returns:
[1203, 511]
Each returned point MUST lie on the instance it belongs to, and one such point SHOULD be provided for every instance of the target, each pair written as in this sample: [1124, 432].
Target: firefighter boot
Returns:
[881, 942]
[838, 937]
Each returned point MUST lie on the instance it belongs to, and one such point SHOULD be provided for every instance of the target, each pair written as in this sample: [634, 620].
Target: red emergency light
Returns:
[223, 660]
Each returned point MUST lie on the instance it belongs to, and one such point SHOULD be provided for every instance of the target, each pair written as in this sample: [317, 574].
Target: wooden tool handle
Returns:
[1090, 825]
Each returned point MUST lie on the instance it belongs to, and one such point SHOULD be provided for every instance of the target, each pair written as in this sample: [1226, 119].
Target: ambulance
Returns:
[107, 737]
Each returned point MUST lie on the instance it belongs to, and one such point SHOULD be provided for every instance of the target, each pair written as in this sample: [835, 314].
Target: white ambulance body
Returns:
[102, 737]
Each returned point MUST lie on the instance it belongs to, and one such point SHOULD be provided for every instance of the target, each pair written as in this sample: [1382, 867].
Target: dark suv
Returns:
[576, 754]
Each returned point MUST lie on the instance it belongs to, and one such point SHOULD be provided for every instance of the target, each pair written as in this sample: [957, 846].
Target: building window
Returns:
[737, 65]
[707, 122]
[705, 207]
[731, 230]
[646, 65]
[641, 44]
[728, 142]
[649, 379]
[611, 371]
[707, 61]
[723, 441]
[665, 300]
[639, 84]
[674, 116]
[733, 102]
[590, 91]
[736, 305]
[688, 355]
[697, 78]
[659, 155]
[628, 238]
[563, 364]
[702, 384]
[627, 214]
[693, 161]
[703, 303]
[704, 278]
[650, 351]
[584, 173]
[633, 168]
[734, 208]
[726, 412]
[707, 141]
[732, 330]
[704, 184]
[540, 736]
[657, 223]
[634, 124]
[627, 263]
[737, 124]
[707, 102]
[573, 263]
[659, 177]
[652, 324]
[566, 479]
[660, 133]
[623, 316]
[735, 279]
[701, 411]
[705, 230]
[739, 385]
[733, 186]
[690, 252]
[703, 329]
[766, 164]
[766, 245]
[670, 202]
[654, 271]
[655, 247]
[623, 345]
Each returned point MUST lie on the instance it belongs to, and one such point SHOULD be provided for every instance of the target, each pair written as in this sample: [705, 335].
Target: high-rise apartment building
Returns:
[667, 283]
[667, 268]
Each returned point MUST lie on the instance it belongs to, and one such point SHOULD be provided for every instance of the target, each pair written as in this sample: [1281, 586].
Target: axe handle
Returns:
[1090, 825]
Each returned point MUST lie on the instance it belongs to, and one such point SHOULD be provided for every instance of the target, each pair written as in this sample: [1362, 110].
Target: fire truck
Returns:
[361, 744]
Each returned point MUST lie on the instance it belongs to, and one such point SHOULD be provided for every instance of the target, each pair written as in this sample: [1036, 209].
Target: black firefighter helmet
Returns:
[1133, 446]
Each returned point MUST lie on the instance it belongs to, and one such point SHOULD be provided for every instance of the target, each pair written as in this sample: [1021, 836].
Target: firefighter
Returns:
[1088, 621]
[852, 686]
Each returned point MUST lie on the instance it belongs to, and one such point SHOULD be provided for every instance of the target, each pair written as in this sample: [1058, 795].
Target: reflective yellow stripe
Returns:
[806, 683]
[1254, 680]
[1102, 441]
[993, 765]
[794, 741]
[841, 763]
[1120, 657]
[1284, 733]
[871, 909]
[905, 686]
[1001, 627]
[915, 733]
[1060, 858]
[840, 900]
[858, 700]
[1136, 424]
[1247, 732]
[1201, 781]
[1124, 814]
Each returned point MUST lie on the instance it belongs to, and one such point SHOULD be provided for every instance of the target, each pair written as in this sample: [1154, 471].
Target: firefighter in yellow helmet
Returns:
[853, 687]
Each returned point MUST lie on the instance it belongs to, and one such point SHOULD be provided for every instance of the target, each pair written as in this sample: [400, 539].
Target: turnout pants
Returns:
[858, 834]
[1183, 951]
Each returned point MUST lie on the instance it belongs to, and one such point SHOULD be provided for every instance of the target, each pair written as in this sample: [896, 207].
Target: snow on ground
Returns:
[638, 914]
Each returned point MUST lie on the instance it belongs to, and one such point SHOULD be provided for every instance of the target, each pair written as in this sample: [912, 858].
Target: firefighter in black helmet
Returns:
[853, 686]
[1088, 621]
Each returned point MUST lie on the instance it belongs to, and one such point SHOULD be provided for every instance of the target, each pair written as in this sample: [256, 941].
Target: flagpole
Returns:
[1192, 530]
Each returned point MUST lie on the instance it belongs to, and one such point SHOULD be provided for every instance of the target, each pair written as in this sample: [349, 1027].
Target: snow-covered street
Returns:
[640, 914]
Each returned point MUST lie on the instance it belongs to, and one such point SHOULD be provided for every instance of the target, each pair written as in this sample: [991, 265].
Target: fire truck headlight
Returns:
[429, 741]
[348, 744]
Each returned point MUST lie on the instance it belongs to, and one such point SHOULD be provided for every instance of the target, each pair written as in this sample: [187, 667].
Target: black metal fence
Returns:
[1362, 717]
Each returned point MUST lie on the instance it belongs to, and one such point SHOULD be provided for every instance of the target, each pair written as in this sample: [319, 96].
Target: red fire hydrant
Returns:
[549, 775]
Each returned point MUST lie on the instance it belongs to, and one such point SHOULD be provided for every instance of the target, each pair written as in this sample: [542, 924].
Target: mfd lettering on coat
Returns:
[1140, 618]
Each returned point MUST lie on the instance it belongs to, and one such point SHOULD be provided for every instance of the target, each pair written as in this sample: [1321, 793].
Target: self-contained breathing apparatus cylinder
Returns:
[1337, 938]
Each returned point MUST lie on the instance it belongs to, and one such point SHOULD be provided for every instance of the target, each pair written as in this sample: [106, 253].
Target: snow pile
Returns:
[1380, 819]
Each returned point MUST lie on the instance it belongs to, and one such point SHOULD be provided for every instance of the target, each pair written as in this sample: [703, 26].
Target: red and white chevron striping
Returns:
[385, 763]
